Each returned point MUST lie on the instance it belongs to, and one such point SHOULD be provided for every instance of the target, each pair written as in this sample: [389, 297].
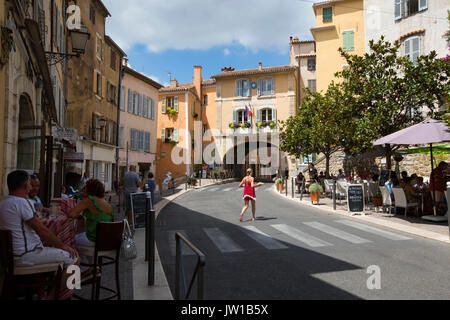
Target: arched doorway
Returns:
[28, 137]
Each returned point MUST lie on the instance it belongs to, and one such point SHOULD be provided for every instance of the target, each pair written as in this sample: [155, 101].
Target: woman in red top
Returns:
[249, 193]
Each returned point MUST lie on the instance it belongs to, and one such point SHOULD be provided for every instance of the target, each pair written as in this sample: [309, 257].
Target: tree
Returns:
[313, 130]
[384, 92]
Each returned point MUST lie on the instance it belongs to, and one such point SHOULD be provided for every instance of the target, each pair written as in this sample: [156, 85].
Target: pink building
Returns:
[138, 121]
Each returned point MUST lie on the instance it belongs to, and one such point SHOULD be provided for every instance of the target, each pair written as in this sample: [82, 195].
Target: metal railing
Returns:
[180, 272]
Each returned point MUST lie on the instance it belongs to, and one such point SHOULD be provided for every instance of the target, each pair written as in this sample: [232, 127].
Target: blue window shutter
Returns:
[258, 115]
[152, 109]
[327, 14]
[259, 87]
[234, 116]
[272, 88]
[145, 112]
[141, 140]
[130, 101]
[247, 88]
[132, 139]
[140, 105]
[238, 88]
[274, 115]
[147, 142]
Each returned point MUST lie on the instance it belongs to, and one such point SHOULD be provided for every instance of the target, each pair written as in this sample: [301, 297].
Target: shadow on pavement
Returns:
[251, 274]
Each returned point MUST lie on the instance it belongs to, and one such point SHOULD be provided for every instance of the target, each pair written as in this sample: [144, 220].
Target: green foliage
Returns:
[315, 187]
[231, 125]
[242, 125]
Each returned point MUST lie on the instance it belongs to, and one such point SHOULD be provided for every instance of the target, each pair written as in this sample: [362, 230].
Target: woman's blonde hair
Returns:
[249, 172]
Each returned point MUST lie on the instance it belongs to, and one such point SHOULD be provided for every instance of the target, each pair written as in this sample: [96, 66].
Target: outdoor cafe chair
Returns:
[107, 246]
[401, 202]
[387, 200]
[341, 189]
[19, 278]
[328, 187]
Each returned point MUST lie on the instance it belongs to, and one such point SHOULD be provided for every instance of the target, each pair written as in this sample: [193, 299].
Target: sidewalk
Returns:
[161, 289]
[412, 225]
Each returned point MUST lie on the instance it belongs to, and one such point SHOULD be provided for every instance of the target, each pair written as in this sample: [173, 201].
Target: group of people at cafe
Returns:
[33, 242]
[415, 188]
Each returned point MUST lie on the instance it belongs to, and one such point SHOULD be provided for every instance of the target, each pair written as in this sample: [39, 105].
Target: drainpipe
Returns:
[118, 122]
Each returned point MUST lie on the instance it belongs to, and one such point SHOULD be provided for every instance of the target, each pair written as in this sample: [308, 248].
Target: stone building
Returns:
[31, 106]
[93, 99]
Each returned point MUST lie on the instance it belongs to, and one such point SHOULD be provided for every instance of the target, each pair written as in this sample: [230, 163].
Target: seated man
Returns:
[33, 195]
[33, 243]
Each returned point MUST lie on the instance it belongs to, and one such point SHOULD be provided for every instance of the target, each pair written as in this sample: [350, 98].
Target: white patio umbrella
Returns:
[427, 132]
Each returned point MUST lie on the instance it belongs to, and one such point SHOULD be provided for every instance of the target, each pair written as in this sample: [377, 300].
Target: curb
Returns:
[161, 287]
[367, 218]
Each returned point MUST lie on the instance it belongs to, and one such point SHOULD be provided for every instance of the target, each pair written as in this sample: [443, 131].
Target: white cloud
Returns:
[226, 52]
[202, 24]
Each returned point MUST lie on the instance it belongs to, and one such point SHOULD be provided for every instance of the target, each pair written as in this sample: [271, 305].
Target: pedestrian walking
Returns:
[131, 184]
[249, 193]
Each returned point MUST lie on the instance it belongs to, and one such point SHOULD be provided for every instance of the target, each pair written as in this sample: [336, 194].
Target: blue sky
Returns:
[162, 36]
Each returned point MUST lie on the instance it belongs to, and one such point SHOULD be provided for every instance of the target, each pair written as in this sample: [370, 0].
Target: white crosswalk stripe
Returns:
[172, 243]
[301, 236]
[213, 190]
[373, 230]
[337, 233]
[224, 243]
[227, 189]
[264, 239]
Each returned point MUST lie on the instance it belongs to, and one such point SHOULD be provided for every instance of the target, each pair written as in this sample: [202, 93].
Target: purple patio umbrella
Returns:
[427, 132]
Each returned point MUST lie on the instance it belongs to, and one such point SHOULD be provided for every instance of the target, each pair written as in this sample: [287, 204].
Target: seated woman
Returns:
[409, 190]
[95, 209]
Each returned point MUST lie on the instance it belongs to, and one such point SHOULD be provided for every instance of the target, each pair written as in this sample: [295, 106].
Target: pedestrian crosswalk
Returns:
[312, 234]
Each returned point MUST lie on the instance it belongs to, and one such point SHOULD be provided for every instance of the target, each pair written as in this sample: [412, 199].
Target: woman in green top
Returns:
[95, 209]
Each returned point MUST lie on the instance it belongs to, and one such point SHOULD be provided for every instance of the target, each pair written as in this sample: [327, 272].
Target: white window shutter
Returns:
[175, 134]
[260, 89]
[164, 105]
[175, 103]
[415, 48]
[234, 116]
[258, 115]
[274, 115]
[398, 9]
[163, 135]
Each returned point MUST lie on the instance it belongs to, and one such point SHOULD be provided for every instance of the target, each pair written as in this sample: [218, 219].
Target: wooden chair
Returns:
[19, 279]
[401, 201]
[107, 246]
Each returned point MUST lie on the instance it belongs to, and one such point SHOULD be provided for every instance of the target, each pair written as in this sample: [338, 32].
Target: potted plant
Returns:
[243, 125]
[377, 199]
[272, 125]
[315, 189]
[231, 125]
[173, 112]
[173, 142]
[259, 125]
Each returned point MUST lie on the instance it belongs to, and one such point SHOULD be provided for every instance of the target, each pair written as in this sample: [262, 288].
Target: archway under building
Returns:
[29, 137]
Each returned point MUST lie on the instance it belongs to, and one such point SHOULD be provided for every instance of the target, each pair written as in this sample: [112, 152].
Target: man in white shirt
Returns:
[18, 215]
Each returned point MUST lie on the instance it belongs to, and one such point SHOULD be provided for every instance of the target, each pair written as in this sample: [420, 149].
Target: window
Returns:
[243, 88]
[405, 8]
[265, 87]
[412, 48]
[168, 134]
[113, 61]
[241, 117]
[99, 48]
[205, 99]
[312, 64]
[327, 14]
[312, 85]
[92, 15]
[98, 83]
[349, 40]
[266, 115]
[111, 93]
[205, 128]
[171, 102]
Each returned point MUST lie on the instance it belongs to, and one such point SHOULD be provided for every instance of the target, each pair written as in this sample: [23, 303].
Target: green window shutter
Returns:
[163, 134]
[349, 40]
[164, 105]
[175, 134]
[327, 14]
[176, 103]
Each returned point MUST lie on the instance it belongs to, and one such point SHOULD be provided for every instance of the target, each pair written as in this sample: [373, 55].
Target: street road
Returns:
[293, 252]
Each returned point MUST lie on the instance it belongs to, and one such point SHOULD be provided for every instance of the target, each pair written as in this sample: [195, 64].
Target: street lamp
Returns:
[79, 42]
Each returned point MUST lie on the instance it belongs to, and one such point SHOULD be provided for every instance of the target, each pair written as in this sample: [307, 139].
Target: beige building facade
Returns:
[138, 122]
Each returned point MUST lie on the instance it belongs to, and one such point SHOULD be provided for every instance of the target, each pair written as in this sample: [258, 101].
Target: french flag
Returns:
[248, 111]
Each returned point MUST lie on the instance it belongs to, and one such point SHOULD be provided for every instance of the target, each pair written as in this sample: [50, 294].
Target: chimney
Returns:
[125, 62]
[173, 83]
[198, 80]
[260, 66]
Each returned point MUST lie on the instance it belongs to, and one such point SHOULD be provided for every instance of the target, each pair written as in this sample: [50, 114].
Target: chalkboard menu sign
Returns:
[138, 209]
[355, 198]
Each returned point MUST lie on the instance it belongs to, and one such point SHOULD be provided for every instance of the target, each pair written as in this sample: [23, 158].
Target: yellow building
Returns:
[272, 94]
[339, 24]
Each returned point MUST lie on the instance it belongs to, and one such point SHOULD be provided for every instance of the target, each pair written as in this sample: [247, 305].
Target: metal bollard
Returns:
[302, 190]
[293, 188]
[286, 179]
[150, 240]
[334, 194]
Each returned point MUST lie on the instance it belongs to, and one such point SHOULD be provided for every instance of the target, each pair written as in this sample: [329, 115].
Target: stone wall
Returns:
[363, 165]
